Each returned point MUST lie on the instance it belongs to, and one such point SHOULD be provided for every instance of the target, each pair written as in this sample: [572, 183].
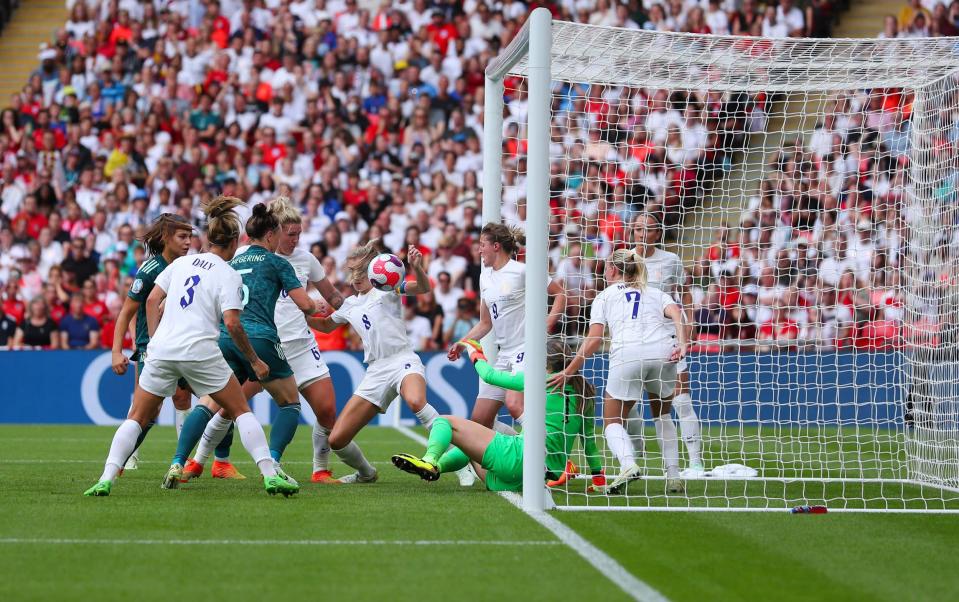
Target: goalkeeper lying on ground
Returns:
[498, 458]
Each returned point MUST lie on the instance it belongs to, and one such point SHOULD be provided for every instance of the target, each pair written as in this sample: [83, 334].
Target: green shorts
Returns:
[266, 350]
[139, 357]
[503, 461]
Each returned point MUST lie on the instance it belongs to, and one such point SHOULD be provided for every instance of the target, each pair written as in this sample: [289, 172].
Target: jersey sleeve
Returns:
[317, 272]
[231, 293]
[287, 274]
[665, 300]
[163, 280]
[141, 287]
[339, 316]
[499, 378]
[597, 313]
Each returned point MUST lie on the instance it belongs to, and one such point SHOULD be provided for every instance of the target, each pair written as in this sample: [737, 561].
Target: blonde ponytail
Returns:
[223, 224]
[628, 263]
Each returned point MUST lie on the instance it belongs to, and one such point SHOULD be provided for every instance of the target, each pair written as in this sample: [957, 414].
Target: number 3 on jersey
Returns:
[246, 289]
[190, 284]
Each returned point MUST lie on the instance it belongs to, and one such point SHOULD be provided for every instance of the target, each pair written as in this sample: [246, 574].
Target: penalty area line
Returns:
[602, 562]
[277, 542]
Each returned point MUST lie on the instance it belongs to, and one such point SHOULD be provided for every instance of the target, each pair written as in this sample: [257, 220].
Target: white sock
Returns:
[214, 432]
[352, 456]
[427, 415]
[124, 440]
[179, 417]
[635, 426]
[668, 444]
[321, 447]
[520, 419]
[618, 442]
[502, 427]
[689, 427]
[254, 440]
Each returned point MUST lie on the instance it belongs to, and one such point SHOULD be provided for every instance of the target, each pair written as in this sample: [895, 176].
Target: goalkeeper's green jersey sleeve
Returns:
[563, 422]
[499, 378]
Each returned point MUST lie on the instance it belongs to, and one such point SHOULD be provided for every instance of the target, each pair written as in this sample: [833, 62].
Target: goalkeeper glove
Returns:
[473, 348]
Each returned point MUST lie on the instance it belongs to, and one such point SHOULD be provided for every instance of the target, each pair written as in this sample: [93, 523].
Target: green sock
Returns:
[453, 460]
[440, 437]
[284, 427]
[222, 451]
[191, 432]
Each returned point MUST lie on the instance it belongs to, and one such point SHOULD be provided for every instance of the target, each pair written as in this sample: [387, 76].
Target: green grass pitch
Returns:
[403, 539]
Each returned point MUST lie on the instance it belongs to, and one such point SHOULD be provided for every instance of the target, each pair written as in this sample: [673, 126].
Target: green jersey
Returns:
[265, 275]
[140, 290]
[564, 421]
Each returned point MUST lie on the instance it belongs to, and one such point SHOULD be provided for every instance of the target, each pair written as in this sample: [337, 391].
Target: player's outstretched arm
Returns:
[125, 317]
[325, 325]
[489, 375]
[303, 301]
[422, 284]
[478, 331]
[329, 292]
[558, 291]
[675, 313]
[594, 338]
[231, 319]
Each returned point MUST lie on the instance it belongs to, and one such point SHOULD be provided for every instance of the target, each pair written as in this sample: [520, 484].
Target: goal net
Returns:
[809, 189]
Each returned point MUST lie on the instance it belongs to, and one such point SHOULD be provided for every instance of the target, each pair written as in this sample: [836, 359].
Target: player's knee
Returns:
[339, 439]
[182, 399]
[325, 416]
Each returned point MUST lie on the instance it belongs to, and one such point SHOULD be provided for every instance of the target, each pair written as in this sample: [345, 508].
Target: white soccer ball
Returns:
[386, 272]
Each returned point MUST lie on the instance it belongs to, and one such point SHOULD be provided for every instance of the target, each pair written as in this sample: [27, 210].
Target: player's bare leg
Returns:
[357, 414]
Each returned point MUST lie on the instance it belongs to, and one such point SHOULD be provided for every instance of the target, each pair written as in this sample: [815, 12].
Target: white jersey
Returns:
[637, 324]
[290, 321]
[199, 289]
[504, 291]
[666, 272]
[377, 317]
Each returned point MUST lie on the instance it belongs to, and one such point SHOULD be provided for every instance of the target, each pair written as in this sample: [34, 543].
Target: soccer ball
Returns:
[386, 272]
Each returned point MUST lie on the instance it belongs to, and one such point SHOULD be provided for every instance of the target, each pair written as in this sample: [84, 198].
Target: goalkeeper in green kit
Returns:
[498, 458]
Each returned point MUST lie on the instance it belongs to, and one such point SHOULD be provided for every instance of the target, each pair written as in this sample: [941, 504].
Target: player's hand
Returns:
[414, 257]
[678, 353]
[120, 363]
[473, 348]
[261, 369]
[551, 321]
[454, 352]
[558, 380]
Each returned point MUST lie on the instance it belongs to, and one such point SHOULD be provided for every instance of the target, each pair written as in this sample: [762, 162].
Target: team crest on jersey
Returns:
[137, 286]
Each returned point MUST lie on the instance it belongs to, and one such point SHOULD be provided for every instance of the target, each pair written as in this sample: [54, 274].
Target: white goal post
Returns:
[871, 429]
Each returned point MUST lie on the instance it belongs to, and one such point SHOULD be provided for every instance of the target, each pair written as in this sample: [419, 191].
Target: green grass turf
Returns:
[785, 455]
[44, 470]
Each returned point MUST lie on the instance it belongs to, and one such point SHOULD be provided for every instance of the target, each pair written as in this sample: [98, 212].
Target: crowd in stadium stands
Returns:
[369, 116]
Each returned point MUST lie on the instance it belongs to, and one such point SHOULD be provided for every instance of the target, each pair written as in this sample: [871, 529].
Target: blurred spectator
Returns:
[418, 328]
[77, 329]
[38, 328]
[8, 328]
[465, 319]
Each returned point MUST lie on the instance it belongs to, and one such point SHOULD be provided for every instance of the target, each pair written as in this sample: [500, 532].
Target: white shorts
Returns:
[383, 378]
[512, 363]
[682, 366]
[205, 377]
[305, 360]
[627, 381]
